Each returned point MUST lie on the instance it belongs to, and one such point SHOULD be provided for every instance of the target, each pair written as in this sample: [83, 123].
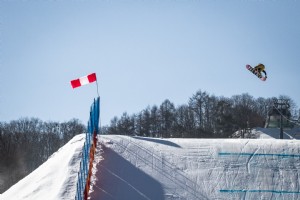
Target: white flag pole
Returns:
[97, 88]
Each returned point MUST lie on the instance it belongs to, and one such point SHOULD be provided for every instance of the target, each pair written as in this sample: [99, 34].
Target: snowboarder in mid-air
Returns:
[258, 71]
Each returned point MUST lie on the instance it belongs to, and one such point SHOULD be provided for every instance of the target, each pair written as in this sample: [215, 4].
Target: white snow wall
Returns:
[197, 169]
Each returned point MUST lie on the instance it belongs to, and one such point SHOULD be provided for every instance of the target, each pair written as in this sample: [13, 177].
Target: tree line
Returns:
[204, 116]
[28, 142]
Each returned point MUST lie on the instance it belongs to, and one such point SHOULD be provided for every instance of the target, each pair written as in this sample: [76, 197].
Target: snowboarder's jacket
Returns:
[260, 68]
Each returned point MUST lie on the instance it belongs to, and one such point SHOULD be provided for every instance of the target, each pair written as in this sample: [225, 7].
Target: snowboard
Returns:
[251, 69]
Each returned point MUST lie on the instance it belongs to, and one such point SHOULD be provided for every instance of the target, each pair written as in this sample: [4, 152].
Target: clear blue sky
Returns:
[143, 53]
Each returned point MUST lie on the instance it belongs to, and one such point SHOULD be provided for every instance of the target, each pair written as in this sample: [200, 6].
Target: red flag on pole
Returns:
[84, 80]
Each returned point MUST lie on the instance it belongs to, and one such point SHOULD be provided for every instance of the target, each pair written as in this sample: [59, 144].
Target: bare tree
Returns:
[167, 116]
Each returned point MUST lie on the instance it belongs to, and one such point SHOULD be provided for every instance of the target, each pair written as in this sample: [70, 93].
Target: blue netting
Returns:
[84, 163]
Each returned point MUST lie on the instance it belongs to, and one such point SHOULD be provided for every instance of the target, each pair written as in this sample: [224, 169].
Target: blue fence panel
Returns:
[93, 124]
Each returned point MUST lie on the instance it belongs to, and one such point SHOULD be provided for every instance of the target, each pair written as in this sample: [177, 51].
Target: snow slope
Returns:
[137, 168]
[54, 179]
[147, 168]
[268, 133]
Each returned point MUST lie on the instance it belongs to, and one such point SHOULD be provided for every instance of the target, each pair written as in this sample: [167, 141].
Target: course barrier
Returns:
[88, 152]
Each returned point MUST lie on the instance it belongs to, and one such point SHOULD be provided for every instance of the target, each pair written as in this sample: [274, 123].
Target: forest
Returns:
[204, 116]
[26, 143]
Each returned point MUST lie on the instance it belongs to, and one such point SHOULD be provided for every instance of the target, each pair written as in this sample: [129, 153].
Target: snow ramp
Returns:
[138, 168]
[55, 179]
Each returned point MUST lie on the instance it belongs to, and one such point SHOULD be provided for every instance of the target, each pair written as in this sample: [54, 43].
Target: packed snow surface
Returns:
[54, 179]
[149, 168]
[271, 133]
[137, 168]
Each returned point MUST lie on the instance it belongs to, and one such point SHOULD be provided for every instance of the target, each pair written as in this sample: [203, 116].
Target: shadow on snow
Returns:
[160, 141]
[119, 179]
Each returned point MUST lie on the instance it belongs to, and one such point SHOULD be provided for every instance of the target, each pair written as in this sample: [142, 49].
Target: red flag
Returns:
[84, 80]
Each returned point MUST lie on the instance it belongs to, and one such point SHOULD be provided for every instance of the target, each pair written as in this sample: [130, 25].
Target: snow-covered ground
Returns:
[54, 179]
[268, 133]
[148, 168]
[139, 168]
